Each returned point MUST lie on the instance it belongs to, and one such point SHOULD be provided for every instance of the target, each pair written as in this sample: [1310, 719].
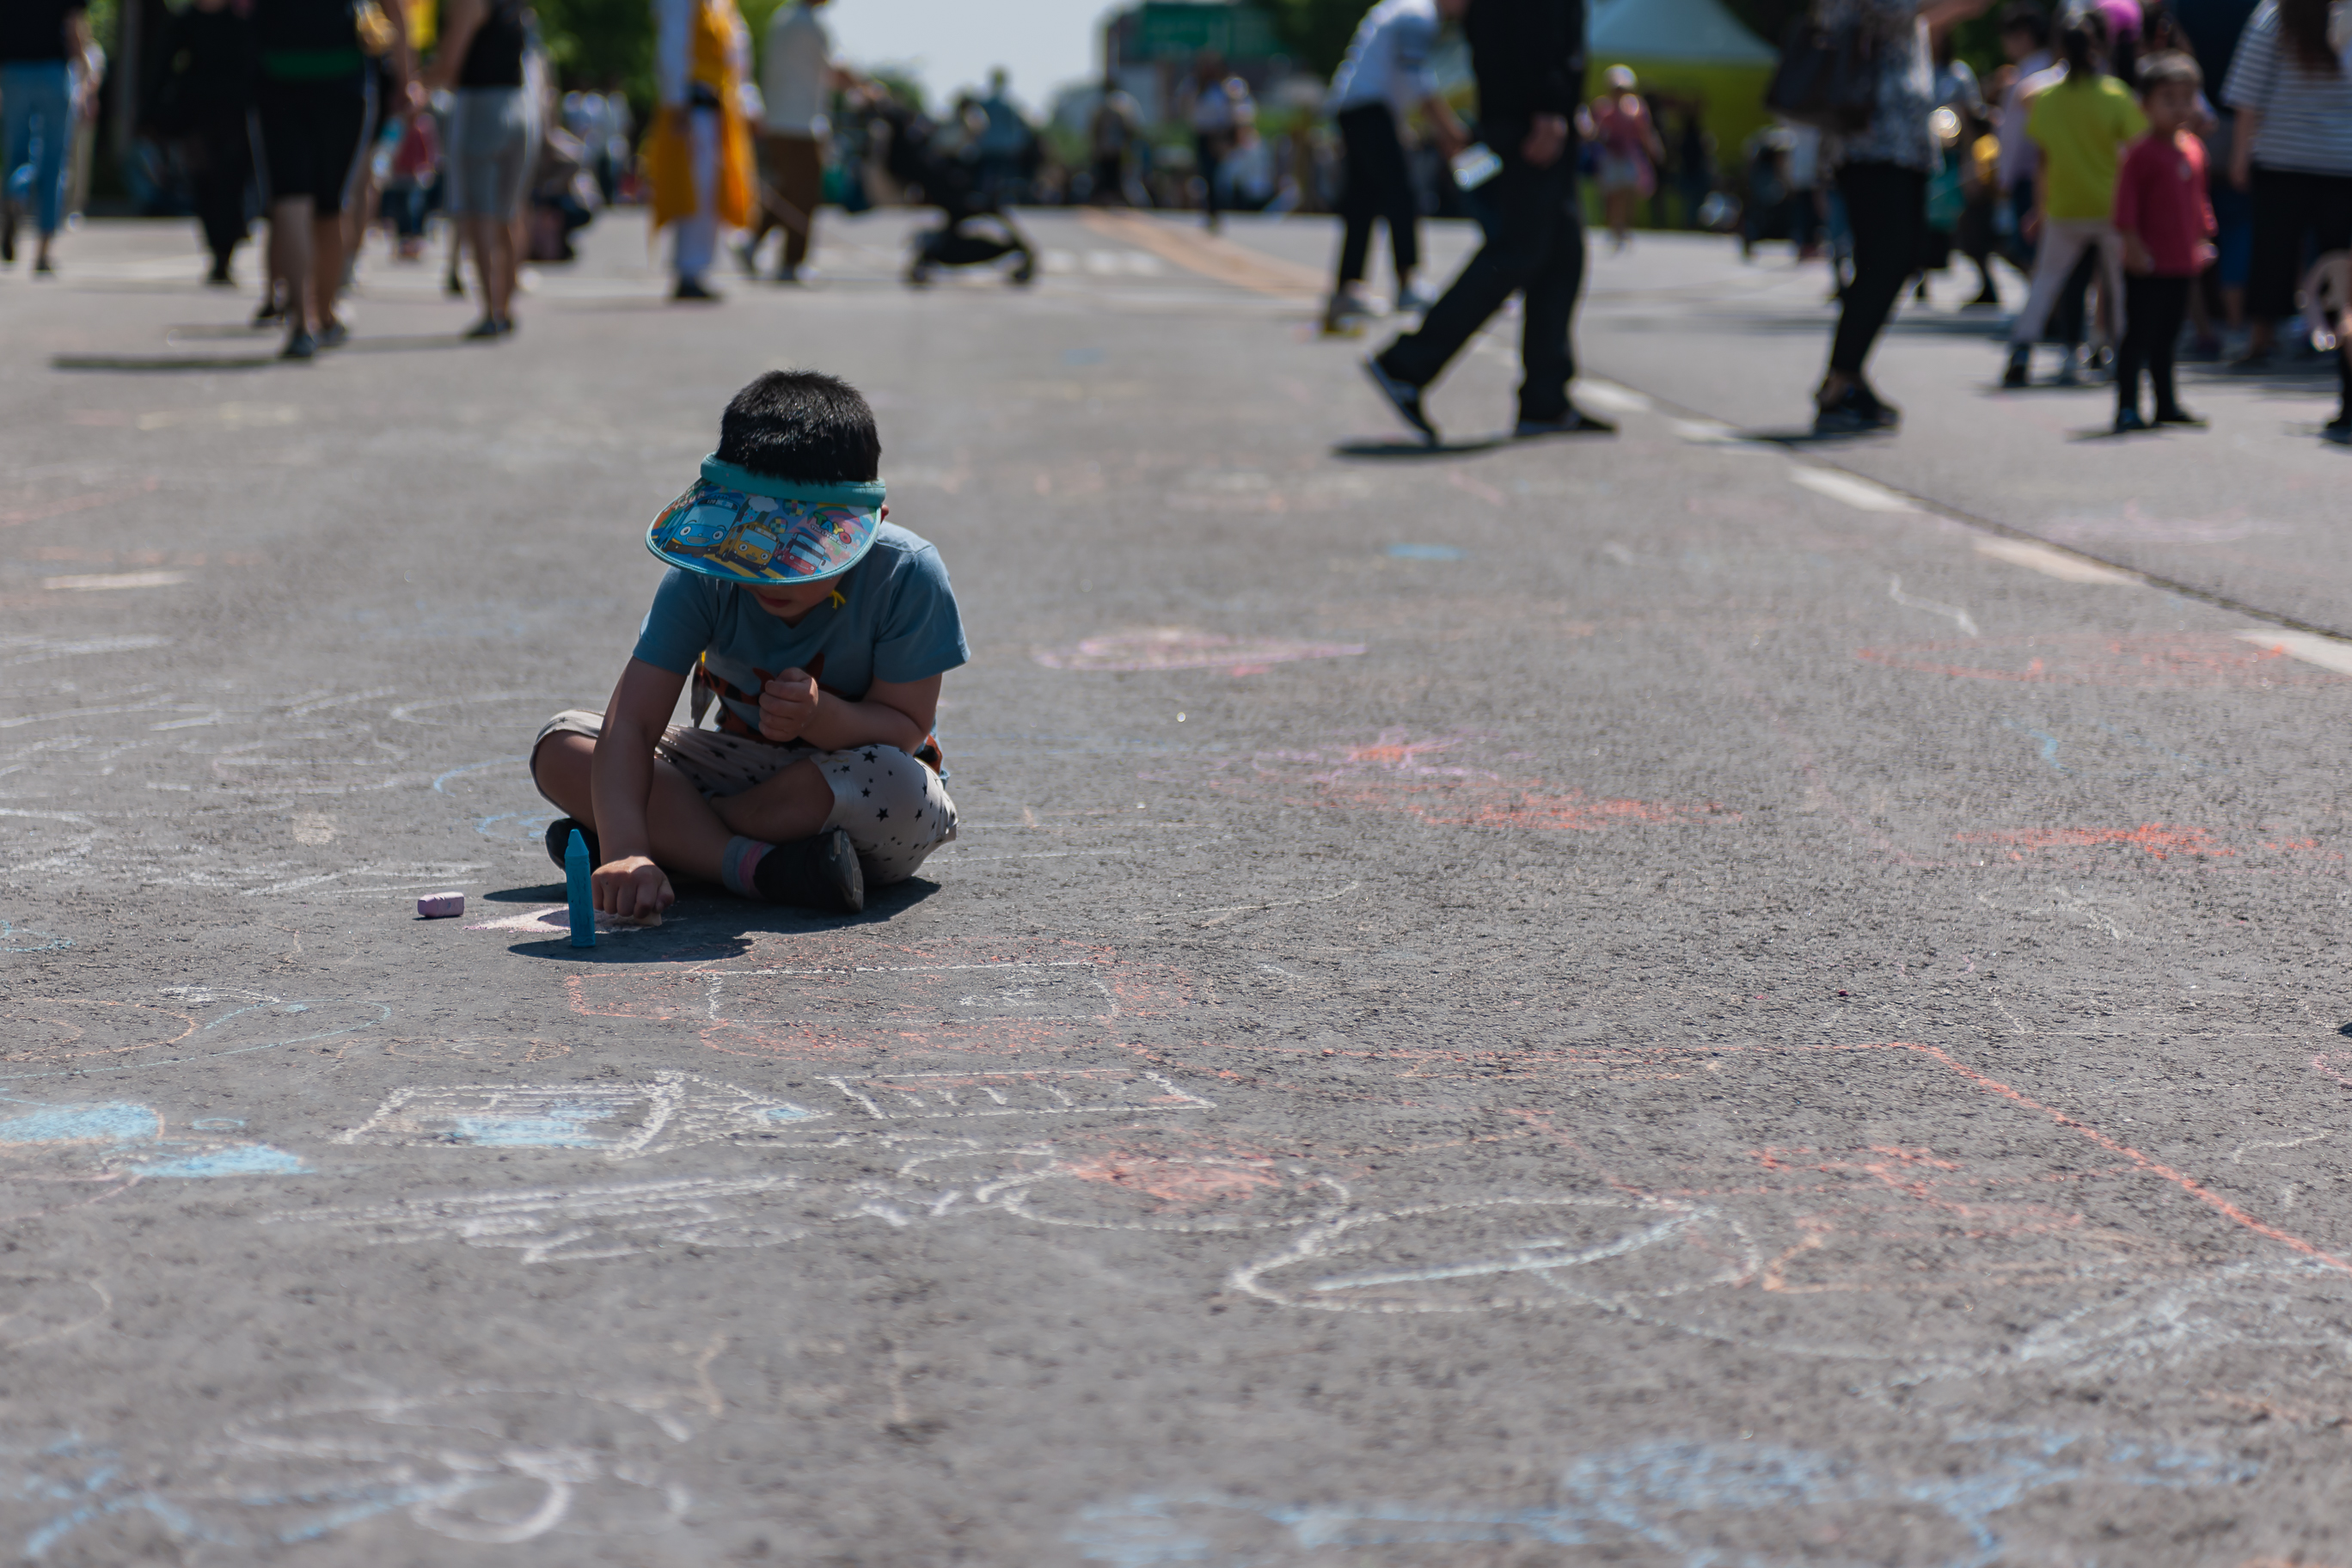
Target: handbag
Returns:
[1827, 76]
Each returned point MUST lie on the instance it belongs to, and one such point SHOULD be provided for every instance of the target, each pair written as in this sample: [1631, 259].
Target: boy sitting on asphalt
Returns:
[820, 630]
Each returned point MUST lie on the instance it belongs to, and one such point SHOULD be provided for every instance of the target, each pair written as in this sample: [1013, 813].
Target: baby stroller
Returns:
[915, 159]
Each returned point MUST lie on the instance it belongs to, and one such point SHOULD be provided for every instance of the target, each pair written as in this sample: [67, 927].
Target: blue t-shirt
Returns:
[898, 623]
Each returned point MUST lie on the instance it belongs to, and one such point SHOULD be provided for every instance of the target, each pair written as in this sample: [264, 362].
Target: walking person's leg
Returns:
[1886, 209]
[800, 181]
[2132, 354]
[2167, 305]
[697, 235]
[1209, 154]
[1517, 245]
[2281, 221]
[1359, 206]
[2056, 250]
[1547, 310]
[343, 115]
[1400, 206]
[37, 102]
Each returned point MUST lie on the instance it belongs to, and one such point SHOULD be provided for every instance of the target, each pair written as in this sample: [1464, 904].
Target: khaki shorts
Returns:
[896, 809]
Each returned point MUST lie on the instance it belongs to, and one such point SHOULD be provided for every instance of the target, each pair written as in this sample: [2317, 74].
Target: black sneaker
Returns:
[2019, 374]
[484, 329]
[2338, 429]
[819, 873]
[2178, 416]
[1856, 413]
[2127, 420]
[301, 345]
[1403, 396]
[695, 289]
[559, 839]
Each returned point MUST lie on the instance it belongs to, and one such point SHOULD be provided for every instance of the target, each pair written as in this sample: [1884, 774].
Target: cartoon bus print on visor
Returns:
[728, 532]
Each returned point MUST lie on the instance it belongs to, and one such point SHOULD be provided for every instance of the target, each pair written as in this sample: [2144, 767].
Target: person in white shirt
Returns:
[797, 76]
[1217, 106]
[1384, 77]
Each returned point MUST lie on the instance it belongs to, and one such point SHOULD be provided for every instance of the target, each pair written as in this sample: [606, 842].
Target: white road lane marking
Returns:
[2328, 653]
[116, 580]
[1858, 493]
[2056, 564]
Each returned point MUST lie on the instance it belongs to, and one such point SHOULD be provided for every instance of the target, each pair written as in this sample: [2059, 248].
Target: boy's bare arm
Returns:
[621, 780]
[891, 713]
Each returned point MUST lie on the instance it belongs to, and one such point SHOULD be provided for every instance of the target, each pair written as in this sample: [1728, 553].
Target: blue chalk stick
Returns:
[576, 889]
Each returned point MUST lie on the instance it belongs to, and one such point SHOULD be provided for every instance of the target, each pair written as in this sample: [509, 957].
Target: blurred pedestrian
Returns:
[488, 156]
[2082, 126]
[1113, 132]
[1529, 58]
[1003, 148]
[40, 43]
[315, 102]
[2293, 152]
[1386, 75]
[1216, 105]
[699, 152]
[797, 76]
[1630, 150]
[2025, 42]
[2167, 227]
[1882, 180]
[205, 105]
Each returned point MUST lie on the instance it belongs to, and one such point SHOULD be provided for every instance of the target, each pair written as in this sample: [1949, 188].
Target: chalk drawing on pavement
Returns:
[484, 1465]
[38, 1309]
[1810, 1225]
[14, 937]
[556, 921]
[929, 1096]
[623, 1219]
[1680, 1502]
[1457, 779]
[56, 1036]
[1174, 648]
[1126, 1179]
[669, 1111]
[118, 1138]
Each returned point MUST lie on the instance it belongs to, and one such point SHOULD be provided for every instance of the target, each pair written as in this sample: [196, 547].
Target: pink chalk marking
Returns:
[440, 906]
[1171, 648]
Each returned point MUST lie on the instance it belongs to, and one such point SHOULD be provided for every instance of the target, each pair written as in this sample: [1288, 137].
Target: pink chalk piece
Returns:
[440, 906]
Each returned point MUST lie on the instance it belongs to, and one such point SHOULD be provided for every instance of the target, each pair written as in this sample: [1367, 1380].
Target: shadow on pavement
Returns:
[690, 935]
[1412, 448]
[163, 362]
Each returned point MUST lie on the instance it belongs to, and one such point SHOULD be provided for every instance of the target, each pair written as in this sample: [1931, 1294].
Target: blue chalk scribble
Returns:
[1674, 1501]
[26, 939]
[1424, 553]
[249, 1160]
[117, 1121]
[544, 1127]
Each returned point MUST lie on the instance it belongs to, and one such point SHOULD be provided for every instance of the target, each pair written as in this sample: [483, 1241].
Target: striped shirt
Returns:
[2306, 114]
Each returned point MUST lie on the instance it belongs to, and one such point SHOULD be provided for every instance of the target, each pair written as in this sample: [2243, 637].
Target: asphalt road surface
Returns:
[1681, 1000]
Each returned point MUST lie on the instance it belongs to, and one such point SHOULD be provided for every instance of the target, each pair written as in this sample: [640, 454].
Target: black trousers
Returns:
[1209, 148]
[1378, 189]
[1535, 250]
[219, 149]
[1886, 209]
[2154, 309]
[2291, 209]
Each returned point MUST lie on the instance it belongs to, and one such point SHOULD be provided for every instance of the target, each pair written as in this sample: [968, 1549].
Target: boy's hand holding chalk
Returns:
[633, 889]
[787, 704]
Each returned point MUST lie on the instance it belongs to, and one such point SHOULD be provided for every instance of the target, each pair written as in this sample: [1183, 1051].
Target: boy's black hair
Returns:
[800, 425]
[2024, 17]
[2168, 65]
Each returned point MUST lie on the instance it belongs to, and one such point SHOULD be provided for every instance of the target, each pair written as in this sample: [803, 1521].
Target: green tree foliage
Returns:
[601, 44]
[1316, 32]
